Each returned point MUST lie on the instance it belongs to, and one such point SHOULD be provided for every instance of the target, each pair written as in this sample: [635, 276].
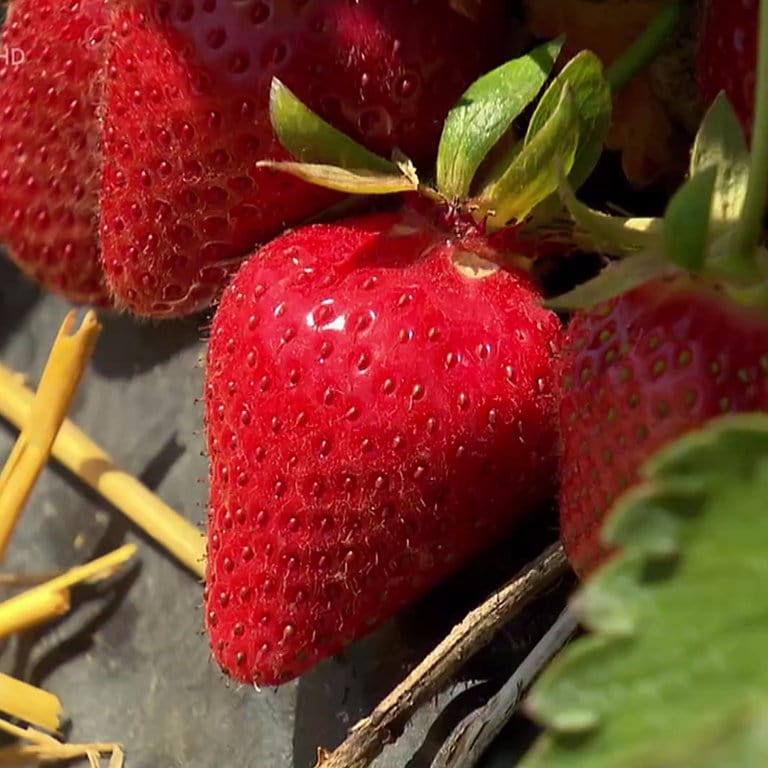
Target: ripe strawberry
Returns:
[639, 372]
[379, 406]
[186, 119]
[50, 76]
[727, 55]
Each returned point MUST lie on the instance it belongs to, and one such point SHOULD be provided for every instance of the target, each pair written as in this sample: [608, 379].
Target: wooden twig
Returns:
[469, 741]
[367, 739]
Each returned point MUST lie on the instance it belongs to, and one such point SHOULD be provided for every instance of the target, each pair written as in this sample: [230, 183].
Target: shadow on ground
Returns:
[18, 296]
[128, 346]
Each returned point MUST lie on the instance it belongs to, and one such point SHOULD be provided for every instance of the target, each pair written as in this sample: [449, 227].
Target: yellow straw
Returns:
[68, 359]
[14, 580]
[13, 610]
[44, 748]
[81, 456]
[30, 704]
[32, 608]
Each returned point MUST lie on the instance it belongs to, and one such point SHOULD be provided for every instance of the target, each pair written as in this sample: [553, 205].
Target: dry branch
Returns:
[368, 738]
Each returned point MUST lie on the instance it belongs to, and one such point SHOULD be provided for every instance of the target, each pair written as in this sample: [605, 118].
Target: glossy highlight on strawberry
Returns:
[379, 407]
[186, 118]
[637, 373]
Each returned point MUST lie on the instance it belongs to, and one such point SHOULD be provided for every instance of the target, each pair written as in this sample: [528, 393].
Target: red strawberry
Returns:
[186, 119]
[639, 372]
[50, 79]
[727, 55]
[379, 406]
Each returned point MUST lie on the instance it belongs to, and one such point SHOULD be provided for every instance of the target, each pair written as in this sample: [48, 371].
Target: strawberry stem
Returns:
[645, 49]
[750, 228]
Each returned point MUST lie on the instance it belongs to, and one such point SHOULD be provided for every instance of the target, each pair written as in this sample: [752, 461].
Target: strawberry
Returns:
[727, 55]
[51, 58]
[379, 407]
[186, 119]
[640, 371]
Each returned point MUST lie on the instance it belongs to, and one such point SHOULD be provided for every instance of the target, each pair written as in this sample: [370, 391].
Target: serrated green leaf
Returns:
[485, 113]
[657, 533]
[592, 98]
[720, 144]
[311, 140]
[692, 458]
[607, 611]
[686, 221]
[617, 278]
[533, 175]
[684, 683]
[360, 182]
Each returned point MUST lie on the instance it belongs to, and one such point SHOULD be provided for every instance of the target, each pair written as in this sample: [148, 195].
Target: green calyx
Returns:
[713, 225]
[487, 164]
[485, 113]
[326, 156]
[700, 230]
[567, 130]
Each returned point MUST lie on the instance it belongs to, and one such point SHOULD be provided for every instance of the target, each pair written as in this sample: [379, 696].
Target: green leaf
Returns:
[485, 113]
[361, 182]
[533, 174]
[311, 140]
[674, 673]
[327, 157]
[616, 278]
[592, 98]
[686, 221]
[615, 235]
[739, 741]
[720, 143]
